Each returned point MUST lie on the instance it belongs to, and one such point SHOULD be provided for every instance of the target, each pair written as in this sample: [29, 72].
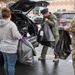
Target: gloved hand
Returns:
[46, 19]
[24, 38]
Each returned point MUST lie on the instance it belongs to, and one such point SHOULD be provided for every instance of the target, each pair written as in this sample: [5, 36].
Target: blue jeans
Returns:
[9, 63]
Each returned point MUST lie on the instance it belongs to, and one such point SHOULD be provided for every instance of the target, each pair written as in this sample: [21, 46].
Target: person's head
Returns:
[45, 13]
[6, 13]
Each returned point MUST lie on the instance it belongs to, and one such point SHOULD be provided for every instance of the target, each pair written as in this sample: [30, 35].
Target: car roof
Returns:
[64, 12]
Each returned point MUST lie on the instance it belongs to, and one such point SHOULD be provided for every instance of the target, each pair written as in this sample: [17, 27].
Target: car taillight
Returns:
[62, 22]
[36, 26]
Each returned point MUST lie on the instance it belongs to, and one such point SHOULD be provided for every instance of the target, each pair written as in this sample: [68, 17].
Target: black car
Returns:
[26, 27]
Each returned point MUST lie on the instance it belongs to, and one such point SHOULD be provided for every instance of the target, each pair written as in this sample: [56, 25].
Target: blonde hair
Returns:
[6, 12]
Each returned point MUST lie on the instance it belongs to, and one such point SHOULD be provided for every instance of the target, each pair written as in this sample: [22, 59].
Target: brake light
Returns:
[63, 22]
[36, 26]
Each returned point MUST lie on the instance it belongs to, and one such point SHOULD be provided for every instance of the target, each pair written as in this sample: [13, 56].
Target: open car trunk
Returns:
[24, 24]
[26, 27]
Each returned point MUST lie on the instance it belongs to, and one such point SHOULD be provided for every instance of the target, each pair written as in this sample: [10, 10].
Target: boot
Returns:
[41, 58]
[56, 59]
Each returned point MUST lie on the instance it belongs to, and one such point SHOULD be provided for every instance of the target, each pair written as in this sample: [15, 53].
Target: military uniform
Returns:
[71, 28]
[52, 21]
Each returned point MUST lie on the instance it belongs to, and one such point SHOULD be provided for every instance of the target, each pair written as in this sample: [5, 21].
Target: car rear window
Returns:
[68, 15]
[65, 15]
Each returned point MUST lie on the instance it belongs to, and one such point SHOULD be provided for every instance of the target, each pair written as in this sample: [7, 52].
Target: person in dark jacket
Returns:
[52, 22]
[9, 37]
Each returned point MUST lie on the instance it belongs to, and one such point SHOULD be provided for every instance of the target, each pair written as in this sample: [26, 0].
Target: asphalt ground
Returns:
[44, 67]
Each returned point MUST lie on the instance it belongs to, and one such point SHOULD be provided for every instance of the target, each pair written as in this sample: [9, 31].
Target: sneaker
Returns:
[41, 58]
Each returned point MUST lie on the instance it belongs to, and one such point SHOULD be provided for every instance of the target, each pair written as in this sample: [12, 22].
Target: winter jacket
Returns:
[71, 28]
[52, 21]
[9, 36]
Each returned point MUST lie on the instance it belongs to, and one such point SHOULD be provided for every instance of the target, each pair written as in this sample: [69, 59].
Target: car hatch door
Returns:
[27, 6]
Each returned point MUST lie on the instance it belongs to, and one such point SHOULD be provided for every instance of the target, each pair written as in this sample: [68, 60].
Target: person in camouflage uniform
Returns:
[52, 21]
[71, 28]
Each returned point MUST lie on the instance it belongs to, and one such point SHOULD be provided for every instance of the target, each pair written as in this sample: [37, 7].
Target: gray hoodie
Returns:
[9, 36]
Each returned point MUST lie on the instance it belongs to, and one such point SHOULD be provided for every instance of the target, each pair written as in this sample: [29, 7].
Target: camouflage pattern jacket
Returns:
[71, 28]
[52, 21]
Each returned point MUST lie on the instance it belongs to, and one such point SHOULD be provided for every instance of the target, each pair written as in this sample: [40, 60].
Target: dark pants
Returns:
[9, 63]
[45, 48]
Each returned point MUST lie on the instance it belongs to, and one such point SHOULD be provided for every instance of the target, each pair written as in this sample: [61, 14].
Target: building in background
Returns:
[61, 5]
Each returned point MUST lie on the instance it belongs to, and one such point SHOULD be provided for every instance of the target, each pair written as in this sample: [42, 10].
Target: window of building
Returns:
[63, 10]
[58, 10]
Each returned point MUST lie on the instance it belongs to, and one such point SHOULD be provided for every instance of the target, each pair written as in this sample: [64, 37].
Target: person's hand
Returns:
[24, 38]
[66, 27]
[46, 19]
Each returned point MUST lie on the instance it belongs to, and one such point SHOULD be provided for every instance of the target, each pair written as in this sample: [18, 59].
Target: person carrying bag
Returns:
[51, 20]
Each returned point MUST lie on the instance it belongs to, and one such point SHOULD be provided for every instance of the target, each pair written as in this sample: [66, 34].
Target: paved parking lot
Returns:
[47, 67]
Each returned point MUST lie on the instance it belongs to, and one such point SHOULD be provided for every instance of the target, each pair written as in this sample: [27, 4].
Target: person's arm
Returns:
[51, 23]
[15, 32]
[71, 27]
